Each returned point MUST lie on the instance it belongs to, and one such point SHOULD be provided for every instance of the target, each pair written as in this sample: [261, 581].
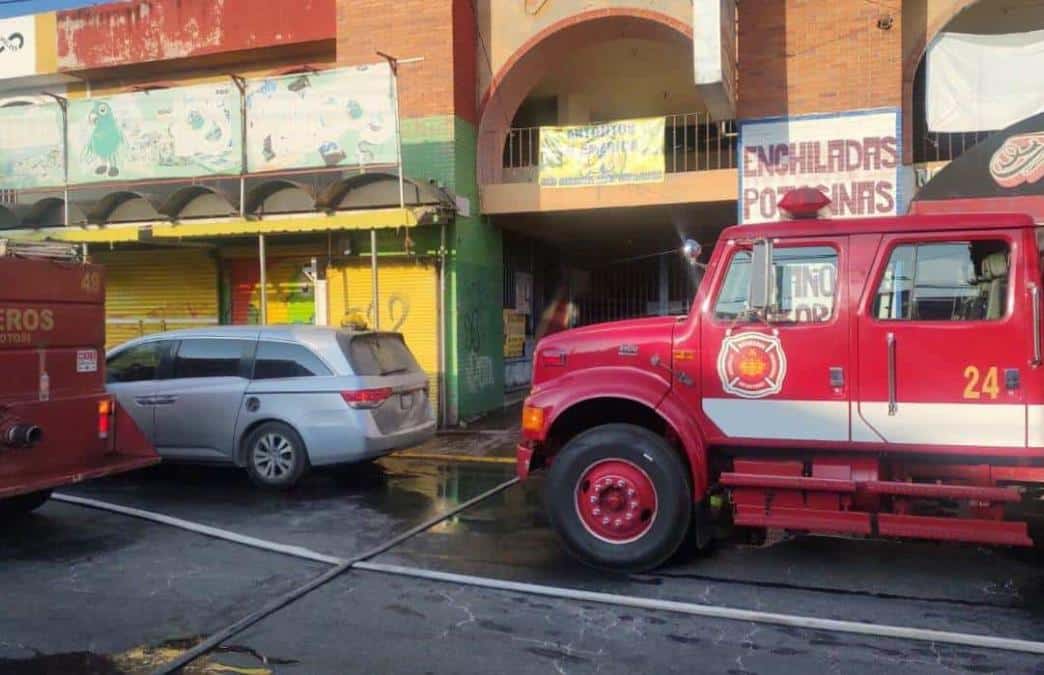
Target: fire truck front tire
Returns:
[618, 497]
[22, 504]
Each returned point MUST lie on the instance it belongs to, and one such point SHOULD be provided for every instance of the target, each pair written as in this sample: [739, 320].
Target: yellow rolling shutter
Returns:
[151, 291]
[409, 305]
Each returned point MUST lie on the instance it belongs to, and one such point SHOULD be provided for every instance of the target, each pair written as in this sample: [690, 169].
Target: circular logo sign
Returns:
[752, 365]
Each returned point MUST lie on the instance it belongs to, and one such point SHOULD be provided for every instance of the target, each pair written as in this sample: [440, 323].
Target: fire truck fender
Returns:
[679, 417]
[570, 391]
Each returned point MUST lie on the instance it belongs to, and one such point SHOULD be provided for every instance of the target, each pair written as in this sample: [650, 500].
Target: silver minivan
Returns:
[275, 400]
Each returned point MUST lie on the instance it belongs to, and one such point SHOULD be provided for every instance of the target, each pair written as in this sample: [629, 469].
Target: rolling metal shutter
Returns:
[153, 291]
[408, 304]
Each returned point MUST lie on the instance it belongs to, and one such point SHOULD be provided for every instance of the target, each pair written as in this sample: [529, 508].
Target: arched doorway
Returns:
[564, 48]
[924, 21]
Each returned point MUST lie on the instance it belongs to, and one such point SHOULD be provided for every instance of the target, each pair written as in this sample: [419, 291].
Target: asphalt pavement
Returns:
[86, 591]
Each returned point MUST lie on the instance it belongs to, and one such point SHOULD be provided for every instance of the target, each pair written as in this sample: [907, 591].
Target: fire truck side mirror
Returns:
[691, 251]
[760, 275]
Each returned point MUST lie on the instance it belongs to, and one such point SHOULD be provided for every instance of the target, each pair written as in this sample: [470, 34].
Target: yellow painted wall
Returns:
[46, 43]
[151, 291]
[408, 302]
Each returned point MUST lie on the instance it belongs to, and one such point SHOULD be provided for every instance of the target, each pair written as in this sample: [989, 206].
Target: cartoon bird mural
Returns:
[105, 141]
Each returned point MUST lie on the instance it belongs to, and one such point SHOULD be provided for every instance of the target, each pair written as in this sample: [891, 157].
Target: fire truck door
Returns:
[784, 376]
[943, 353]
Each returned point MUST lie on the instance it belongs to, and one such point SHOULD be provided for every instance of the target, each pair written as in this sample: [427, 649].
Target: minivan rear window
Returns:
[378, 354]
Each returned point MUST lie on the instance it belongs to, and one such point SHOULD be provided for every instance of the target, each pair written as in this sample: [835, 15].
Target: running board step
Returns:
[997, 532]
[879, 487]
[1005, 533]
[816, 520]
[941, 491]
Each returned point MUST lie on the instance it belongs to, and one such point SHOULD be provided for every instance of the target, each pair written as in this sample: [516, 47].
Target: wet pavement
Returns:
[85, 591]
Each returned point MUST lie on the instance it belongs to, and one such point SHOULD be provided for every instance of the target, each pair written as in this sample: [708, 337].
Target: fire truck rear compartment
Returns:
[865, 496]
[75, 444]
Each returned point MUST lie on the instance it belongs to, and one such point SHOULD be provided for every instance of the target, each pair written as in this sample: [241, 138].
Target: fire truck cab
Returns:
[877, 377]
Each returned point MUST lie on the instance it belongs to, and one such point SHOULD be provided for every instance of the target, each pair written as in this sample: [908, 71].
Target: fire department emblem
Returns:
[752, 365]
[1020, 160]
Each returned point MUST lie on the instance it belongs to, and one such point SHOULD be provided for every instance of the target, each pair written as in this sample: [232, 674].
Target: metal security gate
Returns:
[655, 285]
[157, 290]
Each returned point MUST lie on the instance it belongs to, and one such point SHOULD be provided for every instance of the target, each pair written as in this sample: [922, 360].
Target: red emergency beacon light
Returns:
[803, 202]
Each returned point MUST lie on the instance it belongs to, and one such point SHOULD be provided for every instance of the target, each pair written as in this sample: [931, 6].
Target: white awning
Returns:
[983, 82]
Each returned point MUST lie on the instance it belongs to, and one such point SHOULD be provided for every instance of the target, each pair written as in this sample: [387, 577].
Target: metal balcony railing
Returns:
[692, 142]
[941, 147]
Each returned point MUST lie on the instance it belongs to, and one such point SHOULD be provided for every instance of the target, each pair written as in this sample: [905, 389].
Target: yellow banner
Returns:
[614, 153]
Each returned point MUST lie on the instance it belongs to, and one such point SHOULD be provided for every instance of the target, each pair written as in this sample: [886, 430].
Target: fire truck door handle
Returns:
[1035, 297]
[893, 406]
[164, 400]
[145, 401]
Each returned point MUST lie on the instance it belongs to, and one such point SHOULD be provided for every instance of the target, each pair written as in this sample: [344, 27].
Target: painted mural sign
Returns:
[854, 158]
[343, 117]
[162, 133]
[615, 153]
[31, 146]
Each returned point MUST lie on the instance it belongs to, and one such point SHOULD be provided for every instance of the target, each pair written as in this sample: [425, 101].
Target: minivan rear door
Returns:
[382, 361]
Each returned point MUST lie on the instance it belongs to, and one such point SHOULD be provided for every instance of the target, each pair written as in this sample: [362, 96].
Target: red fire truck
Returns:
[877, 377]
[57, 424]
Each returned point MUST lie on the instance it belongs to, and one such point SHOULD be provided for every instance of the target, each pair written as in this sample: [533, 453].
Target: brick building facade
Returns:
[482, 78]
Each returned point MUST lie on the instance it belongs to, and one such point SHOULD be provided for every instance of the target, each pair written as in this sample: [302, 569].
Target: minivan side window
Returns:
[202, 357]
[137, 364]
[275, 360]
[803, 289]
[945, 281]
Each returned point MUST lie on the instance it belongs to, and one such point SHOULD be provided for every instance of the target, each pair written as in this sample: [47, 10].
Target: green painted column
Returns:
[442, 148]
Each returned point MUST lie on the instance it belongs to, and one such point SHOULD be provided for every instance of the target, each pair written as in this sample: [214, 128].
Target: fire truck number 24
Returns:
[988, 387]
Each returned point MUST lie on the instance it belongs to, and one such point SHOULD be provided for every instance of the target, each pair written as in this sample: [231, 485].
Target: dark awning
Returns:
[1003, 173]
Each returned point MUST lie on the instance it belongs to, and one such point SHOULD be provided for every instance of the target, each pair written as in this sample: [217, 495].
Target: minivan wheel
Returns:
[618, 497]
[275, 456]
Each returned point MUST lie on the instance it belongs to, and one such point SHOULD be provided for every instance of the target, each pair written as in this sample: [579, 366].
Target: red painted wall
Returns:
[138, 31]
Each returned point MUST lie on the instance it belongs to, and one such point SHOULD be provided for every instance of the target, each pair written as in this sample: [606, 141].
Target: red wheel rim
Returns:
[616, 501]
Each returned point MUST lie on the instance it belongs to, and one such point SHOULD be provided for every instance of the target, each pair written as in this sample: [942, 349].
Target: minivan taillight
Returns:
[105, 410]
[366, 399]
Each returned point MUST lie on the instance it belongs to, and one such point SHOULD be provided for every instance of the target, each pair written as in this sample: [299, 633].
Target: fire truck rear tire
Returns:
[599, 468]
[22, 504]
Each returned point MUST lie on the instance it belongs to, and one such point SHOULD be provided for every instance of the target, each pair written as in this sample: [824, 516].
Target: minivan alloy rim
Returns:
[273, 456]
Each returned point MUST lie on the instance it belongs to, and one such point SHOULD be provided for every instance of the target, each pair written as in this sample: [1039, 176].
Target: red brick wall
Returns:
[441, 31]
[810, 56]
